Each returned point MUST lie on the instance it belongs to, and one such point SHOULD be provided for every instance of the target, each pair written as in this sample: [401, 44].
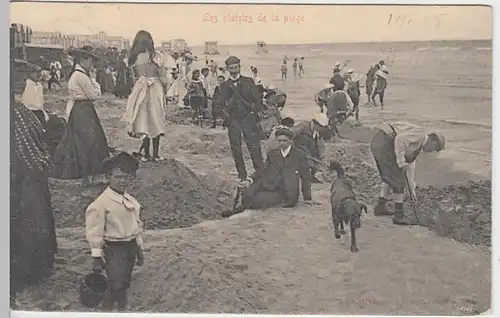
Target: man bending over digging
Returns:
[396, 156]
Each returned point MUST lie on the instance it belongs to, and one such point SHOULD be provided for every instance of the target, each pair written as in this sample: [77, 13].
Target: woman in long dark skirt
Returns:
[33, 243]
[124, 83]
[83, 146]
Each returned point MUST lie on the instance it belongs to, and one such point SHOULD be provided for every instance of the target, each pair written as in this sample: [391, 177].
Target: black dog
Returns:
[345, 209]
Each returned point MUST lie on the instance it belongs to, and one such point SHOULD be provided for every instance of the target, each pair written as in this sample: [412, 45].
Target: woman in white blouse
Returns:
[83, 146]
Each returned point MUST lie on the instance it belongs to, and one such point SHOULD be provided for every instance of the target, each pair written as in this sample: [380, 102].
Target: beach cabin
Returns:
[179, 45]
[261, 47]
[166, 45]
[211, 48]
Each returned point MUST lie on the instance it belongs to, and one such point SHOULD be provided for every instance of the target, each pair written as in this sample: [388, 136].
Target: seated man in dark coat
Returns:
[278, 180]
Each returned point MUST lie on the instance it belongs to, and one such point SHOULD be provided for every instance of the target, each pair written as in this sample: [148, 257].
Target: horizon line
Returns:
[358, 42]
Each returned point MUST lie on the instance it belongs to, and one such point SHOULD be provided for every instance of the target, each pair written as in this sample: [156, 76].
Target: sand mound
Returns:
[170, 193]
[462, 212]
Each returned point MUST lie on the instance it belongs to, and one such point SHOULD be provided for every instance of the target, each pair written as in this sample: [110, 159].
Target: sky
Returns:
[245, 24]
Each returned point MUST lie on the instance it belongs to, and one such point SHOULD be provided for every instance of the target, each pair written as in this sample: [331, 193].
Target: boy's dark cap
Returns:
[123, 161]
[287, 121]
[284, 131]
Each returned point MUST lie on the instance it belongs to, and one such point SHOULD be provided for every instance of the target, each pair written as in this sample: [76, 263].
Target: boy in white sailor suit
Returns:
[113, 229]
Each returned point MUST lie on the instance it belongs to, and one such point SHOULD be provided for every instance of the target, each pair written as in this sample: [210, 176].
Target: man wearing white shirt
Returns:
[395, 154]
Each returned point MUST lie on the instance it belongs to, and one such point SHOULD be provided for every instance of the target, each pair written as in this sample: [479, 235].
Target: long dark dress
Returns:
[124, 83]
[33, 243]
[83, 146]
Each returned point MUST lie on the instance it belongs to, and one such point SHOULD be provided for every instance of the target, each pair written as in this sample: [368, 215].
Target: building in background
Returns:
[77, 40]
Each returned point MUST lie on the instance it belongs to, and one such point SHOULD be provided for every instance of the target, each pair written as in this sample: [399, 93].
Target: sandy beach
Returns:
[287, 261]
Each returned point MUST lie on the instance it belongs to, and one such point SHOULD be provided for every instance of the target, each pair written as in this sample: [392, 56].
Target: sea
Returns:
[441, 86]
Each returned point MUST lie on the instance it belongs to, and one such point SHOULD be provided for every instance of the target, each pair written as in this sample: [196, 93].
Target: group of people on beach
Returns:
[294, 153]
[297, 67]
[82, 152]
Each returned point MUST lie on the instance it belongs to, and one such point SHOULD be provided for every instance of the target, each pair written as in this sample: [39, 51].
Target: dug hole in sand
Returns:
[283, 261]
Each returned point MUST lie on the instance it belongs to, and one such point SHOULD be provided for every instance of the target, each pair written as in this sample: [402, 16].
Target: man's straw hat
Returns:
[321, 119]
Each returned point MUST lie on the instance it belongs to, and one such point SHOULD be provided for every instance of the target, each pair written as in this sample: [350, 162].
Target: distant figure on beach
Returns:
[339, 105]
[353, 91]
[337, 77]
[54, 78]
[309, 137]
[336, 68]
[123, 86]
[301, 66]
[284, 71]
[213, 68]
[285, 59]
[321, 97]
[257, 80]
[220, 79]
[370, 78]
[395, 154]
[197, 96]
[239, 104]
[379, 85]
[270, 116]
[294, 67]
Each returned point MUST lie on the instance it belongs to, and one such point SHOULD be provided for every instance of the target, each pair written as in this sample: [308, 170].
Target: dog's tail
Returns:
[335, 165]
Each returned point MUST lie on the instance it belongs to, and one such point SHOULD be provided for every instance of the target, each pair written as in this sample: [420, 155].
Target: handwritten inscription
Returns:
[403, 20]
[259, 18]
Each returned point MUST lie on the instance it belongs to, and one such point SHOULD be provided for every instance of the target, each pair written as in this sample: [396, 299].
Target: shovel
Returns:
[236, 199]
[412, 200]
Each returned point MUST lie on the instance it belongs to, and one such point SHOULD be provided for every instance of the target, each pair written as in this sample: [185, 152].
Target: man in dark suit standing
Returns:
[239, 103]
[278, 180]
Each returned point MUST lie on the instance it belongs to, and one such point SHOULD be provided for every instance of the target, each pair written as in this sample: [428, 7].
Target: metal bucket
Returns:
[93, 287]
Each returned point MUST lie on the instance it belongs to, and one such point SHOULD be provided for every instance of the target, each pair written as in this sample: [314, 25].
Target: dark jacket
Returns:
[280, 173]
[337, 80]
[353, 91]
[337, 103]
[231, 107]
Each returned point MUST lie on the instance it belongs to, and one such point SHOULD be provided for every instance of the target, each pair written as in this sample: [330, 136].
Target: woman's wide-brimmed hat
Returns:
[86, 50]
